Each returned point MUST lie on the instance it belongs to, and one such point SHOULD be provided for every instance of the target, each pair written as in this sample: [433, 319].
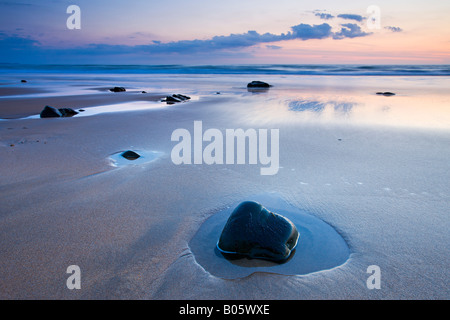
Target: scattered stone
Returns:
[67, 112]
[11, 145]
[144, 92]
[50, 112]
[81, 110]
[130, 155]
[254, 232]
[258, 84]
[171, 99]
[217, 92]
[181, 97]
[387, 94]
[23, 81]
[118, 89]
[175, 98]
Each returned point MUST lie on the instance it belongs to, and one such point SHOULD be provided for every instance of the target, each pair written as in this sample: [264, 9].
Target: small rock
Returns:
[118, 89]
[23, 81]
[386, 93]
[175, 98]
[258, 84]
[130, 155]
[81, 110]
[144, 92]
[171, 99]
[67, 112]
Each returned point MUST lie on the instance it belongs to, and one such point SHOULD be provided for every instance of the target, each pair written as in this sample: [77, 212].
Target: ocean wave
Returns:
[264, 69]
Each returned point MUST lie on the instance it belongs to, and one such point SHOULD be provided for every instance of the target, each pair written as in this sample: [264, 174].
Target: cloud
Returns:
[394, 29]
[273, 47]
[324, 16]
[349, 30]
[356, 17]
[32, 50]
[307, 32]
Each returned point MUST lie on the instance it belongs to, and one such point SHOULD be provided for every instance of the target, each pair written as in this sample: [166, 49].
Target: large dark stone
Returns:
[118, 89]
[50, 112]
[130, 155]
[255, 232]
[258, 84]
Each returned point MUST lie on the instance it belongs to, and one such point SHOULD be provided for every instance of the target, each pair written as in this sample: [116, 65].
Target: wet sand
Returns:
[13, 108]
[384, 189]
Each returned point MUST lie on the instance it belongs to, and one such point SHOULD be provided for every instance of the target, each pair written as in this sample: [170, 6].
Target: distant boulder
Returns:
[175, 98]
[181, 97]
[67, 112]
[258, 84]
[387, 94]
[50, 112]
[130, 155]
[118, 89]
[23, 81]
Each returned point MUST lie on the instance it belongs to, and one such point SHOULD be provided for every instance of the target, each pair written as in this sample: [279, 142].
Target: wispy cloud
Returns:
[394, 29]
[355, 17]
[324, 16]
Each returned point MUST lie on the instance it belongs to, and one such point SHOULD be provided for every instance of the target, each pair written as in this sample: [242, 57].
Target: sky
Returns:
[199, 32]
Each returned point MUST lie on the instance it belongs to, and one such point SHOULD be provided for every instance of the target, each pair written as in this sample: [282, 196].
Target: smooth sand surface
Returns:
[384, 189]
[20, 107]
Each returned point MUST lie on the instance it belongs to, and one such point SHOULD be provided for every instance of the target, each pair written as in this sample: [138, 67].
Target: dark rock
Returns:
[81, 110]
[175, 98]
[67, 112]
[118, 89]
[172, 99]
[386, 93]
[254, 232]
[181, 97]
[50, 112]
[23, 81]
[130, 155]
[258, 84]
[144, 92]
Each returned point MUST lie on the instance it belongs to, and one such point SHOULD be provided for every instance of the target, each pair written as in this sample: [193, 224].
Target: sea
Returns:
[263, 69]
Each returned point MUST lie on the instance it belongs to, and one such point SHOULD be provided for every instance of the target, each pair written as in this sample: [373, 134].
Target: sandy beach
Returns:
[373, 168]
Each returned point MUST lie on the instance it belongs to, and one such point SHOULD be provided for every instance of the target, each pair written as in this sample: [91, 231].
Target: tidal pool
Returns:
[320, 246]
